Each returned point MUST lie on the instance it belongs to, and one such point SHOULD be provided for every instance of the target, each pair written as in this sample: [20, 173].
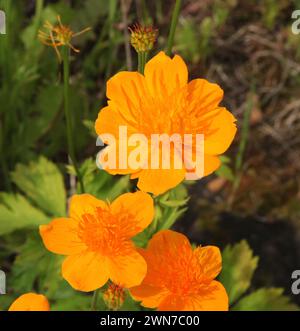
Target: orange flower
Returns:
[180, 278]
[30, 302]
[163, 102]
[97, 240]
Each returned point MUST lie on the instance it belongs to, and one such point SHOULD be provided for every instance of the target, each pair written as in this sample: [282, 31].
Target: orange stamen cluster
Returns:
[106, 233]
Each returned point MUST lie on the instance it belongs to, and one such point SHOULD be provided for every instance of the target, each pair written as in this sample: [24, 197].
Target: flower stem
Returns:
[174, 22]
[142, 59]
[94, 300]
[71, 150]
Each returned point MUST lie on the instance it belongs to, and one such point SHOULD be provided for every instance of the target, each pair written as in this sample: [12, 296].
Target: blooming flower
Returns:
[163, 102]
[30, 302]
[59, 35]
[97, 240]
[180, 278]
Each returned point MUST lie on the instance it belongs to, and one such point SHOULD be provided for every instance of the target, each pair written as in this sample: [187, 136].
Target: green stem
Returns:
[174, 22]
[71, 149]
[242, 146]
[38, 13]
[94, 300]
[142, 59]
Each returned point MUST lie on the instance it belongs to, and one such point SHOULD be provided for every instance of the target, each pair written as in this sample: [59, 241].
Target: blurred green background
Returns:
[250, 208]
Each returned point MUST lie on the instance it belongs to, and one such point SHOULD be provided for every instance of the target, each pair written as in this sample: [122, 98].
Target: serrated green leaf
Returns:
[17, 213]
[26, 273]
[266, 299]
[43, 183]
[239, 265]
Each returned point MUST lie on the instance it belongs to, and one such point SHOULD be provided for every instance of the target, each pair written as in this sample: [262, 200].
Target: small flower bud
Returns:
[114, 296]
[142, 37]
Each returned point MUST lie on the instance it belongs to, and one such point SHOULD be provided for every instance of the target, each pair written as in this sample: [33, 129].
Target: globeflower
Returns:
[163, 102]
[179, 277]
[30, 302]
[97, 240]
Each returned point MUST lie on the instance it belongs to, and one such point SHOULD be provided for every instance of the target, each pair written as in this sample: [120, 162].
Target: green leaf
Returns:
[17, 213]
[26, 273]
[43, 183]
[225, 172]
[29, 34]
[101, 184]
[48, 104]
[44, 277]
[239, 265]
[270, 299]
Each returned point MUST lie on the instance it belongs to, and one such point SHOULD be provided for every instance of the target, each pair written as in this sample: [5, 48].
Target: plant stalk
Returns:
[174, 22]
[70, 136]
[95, 299]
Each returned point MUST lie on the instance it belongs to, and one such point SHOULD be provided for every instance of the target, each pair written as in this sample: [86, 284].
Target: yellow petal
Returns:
[127, 270]
[81, 204]
[85, 272]
[210, 261]
[61, 236]
[212, 298]
[164, 75]
[126, 90]
[150, 296]
[139, 205]
[158, 181]
[223, 130]
[203, 96]
[211, 164]
[30, 302]
[109, 121]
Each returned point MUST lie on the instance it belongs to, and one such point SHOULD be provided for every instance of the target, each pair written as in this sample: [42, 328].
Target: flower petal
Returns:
[213, 297]
[211, 164]
[150, 296]
[203, 96]
[223, 130]
[126, 90]
[61, 236]
[210, 261]
[127, 270]
[30, 302]
[109, 121]
[168, 241]
[139, 205]
[114, 159]
[86, 272]
[164, 75]
[81, 204]
[172, 303]
[158, 181]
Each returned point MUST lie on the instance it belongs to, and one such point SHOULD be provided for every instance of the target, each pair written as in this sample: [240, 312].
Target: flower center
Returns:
[180, 274]
[103, 232]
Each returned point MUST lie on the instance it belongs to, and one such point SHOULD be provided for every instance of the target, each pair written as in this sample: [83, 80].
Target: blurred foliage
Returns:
[239, 264]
